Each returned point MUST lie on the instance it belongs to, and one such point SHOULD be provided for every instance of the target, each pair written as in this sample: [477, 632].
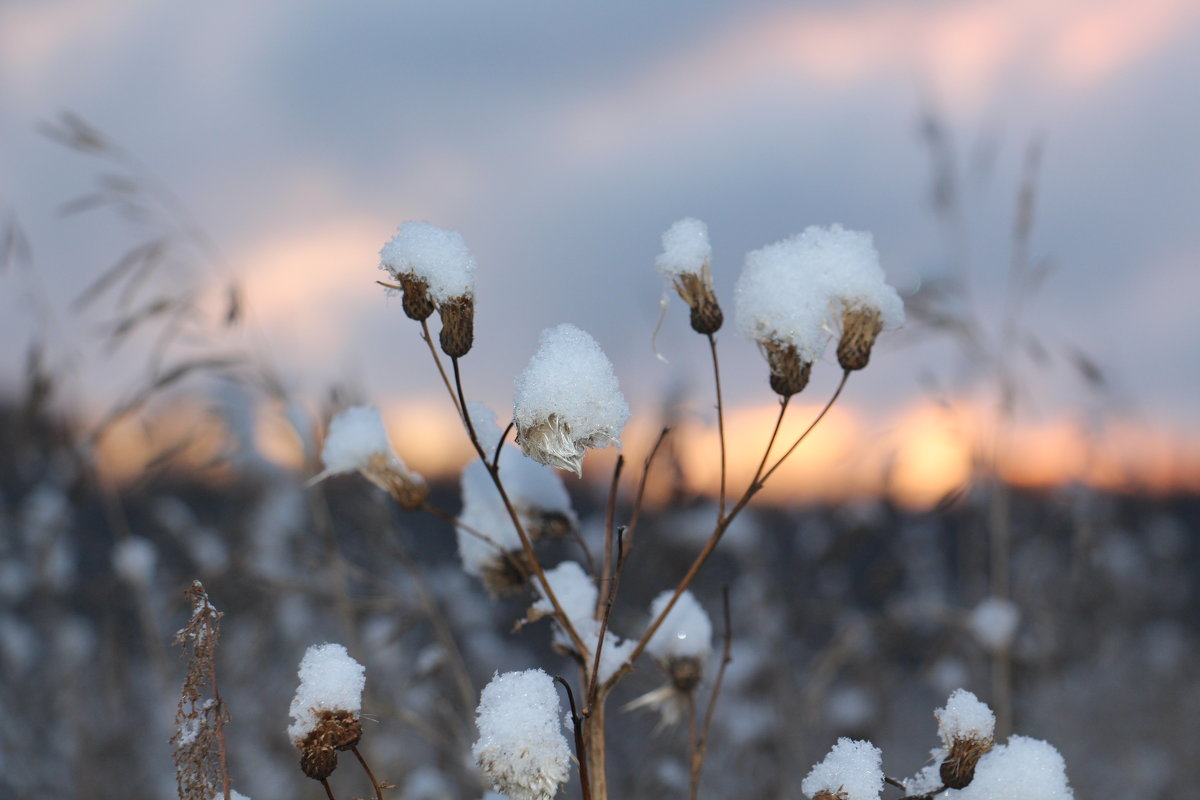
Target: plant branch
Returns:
[580, 752]
[641, 492]
[712, 345]
[701, 749]
[370, 775]
[461, 408]
[837, 393]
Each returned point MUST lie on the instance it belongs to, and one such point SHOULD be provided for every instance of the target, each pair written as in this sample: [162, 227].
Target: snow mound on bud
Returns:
[355, 435]
[569, 386]
[964, 717]
[438, 256]
[330, 680]
[577, 595]
[1023, 769]
[852, 768]
[849, 265]
[521, 746]
[685, 633]
[685, 248]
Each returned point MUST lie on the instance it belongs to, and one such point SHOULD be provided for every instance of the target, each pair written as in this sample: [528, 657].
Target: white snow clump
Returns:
[685, 633]
[965, 717]
[356, 436]
[567, 400]
[521, 747]
[134, 559]
[577, 595]
[853, 770]
[435, 255]
[1023, 769]
[330, 680]
[685, 249]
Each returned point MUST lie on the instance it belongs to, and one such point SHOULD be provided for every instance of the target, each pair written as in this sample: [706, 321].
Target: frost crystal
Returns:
[437, 256]
[685, 633]
[521, 747]
[853, 770]
[330, 680]
[567, 400]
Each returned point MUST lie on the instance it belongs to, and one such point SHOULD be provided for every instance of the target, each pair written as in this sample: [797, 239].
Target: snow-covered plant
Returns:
[435, 269]
[685, 259]
[852, 770]
[357, 441]
[567, 400]
[521, 746]
[326, 708]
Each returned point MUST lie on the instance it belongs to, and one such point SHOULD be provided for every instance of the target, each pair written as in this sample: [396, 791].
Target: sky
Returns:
[561, 140]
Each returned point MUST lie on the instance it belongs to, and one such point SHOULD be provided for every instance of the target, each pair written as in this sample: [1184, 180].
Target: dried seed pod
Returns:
[408, 489]
[507, 573]
[685, 673]
[958, 767]
[417, 303]
[696, 290]
[789, 372]
[458, 325]
[318, 761]
[860, 327]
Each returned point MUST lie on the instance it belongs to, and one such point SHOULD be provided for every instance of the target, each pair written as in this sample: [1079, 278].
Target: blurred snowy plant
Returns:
[578, 595]
[521, 747]
[994, 623]
[325, 708]
[853, 770]
[1025, 768]
[357, 441]
[200, 716]
[567, 400]
[685, 259]
[435, 269]
[681, 646]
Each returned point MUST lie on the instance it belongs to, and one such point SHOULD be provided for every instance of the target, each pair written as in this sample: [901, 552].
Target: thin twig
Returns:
[526, 543]
[441, 370]
[328, 789]
[593, 693]
[712, 345]
[841, 385]
[726, 658]
[636, 514]
[580, 752]
[514, 562]
[500, 445]
[370, 775]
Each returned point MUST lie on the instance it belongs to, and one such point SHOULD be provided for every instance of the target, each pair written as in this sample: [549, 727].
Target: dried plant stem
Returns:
[607, 593]
[500, 444]
[328, 789]
[693, 747]
[712, 346]
[222, 753]
[515, 563]
[700, 747]
[837, 393]
[580, 754]
[526, 543]
[454, 398]
[370, 775]
[641, 492]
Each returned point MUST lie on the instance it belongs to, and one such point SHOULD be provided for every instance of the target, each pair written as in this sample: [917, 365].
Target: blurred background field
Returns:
[192, 200]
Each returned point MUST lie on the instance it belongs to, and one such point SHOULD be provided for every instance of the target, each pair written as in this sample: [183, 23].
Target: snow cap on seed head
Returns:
[966, 726]
[434, 267]
[567, 400]
[685, 260]
[357, 441]
[853, 770]
[521, 747]
[577, 594]
[685, 633]
[326, 707]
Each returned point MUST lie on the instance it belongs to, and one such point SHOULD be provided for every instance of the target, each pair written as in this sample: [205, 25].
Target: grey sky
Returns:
[561, 140]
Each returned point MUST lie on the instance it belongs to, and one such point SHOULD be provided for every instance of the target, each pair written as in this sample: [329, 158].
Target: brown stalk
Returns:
[328, 789]
[641, 492]
[712, 346]
[841, 385]
[460, 408]
[478, 534]
[370, 775]
[526, 543]
[580, 753]
[701, 746]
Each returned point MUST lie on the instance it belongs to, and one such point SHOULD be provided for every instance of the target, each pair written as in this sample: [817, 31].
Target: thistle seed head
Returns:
[958, 768]
[696, 290]
[789, 372]
[685, 673]
[550, 442]
[416, 300]
[543, 524]
[335, 730]
[861, 325]
[507, 573]
[458, 325]
[408, 489]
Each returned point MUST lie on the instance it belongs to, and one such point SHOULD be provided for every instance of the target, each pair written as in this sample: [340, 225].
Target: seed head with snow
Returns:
[521, 746]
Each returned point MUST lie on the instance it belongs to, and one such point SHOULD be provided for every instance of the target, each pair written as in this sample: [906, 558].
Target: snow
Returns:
[521, 746]
[685, 633]
[965, 717]
[1023, 769]
[355, 435]
[994, 622]
[438, 256]
[567, 400]
[854, 768]
[330, 680]
[685, 248]
[789, 291]
[134, 559]
[483, 510]
[487, 430]
[577, 595]
[532, 486]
